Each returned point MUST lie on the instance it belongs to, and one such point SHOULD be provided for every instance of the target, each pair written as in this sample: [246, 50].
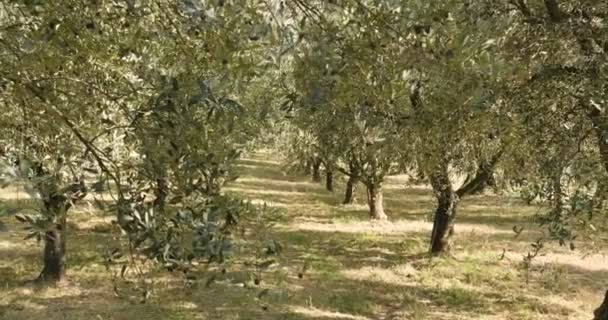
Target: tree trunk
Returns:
[483, 178]
[445, 214]
[601, 313]
[54, 258]
[160, 193]
[54, 255]
[349, 195]
[558, 199]
[316, 170]
[600, 126]
[329, 179]
[481, 187]
[375, 201]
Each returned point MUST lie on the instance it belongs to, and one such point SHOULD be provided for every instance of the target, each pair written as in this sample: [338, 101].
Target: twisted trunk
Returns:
[601, 313]
[329, 179]
[351, 184]
[161, 192]
[349, 195]
[445, 213]
[54, 257]
[483, 178]
[448, 198]
[375, 201]
[600, 127]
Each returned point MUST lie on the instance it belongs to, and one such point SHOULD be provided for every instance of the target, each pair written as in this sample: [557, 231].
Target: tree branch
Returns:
[482, 176]
[87, 144]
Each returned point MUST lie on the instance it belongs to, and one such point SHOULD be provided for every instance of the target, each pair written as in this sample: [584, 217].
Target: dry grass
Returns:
[358, 269]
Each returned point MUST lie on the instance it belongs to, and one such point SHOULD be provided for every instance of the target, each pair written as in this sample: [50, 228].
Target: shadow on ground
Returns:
[336, 265]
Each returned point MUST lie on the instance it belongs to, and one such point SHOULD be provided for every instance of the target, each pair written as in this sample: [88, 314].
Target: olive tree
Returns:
[142, 98]
[348, 77]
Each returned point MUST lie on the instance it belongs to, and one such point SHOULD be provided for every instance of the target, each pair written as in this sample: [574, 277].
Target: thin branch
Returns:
[482, 176]
[91, 148]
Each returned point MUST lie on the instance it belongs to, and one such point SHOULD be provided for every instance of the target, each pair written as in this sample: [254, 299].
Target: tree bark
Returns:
[54, 257]
[445, 213]
[316, 170]
[375, 201]
[351, 186]
[601, 313]
[482, 179]
[600, 126]
[329, 179]
[161, 192]
[448, 198]
[479, 188]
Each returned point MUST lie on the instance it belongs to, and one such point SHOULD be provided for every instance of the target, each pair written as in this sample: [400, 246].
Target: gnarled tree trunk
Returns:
[54, 257]
[329, 179]
[445, 213]
[443, 223]
[600, 126]
[448, 198]
[483, 178]
[375, 201]
[488, 181]
[161, 192]
[601, 313]
[351, 186]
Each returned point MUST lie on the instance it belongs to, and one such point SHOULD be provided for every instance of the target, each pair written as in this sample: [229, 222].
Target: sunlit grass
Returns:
[337, 264]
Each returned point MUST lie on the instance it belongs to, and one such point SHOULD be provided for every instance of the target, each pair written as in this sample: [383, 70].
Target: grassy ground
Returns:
[358, 269]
